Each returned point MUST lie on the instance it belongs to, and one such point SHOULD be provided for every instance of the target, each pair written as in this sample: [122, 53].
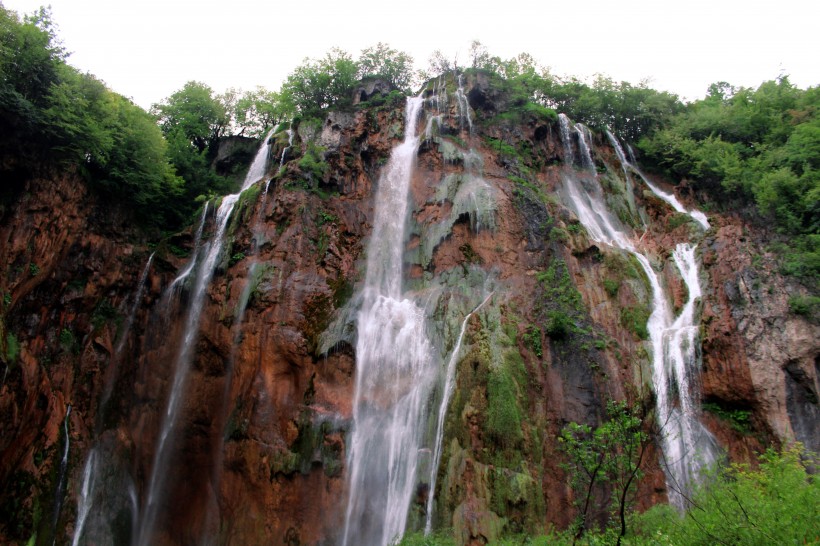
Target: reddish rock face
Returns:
[259, 452]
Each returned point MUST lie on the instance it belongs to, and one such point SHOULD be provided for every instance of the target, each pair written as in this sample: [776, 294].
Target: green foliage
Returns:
[503, 410]
[30, 62]
[318, 84]
[559, 287]
[559, 325]
[324, 217]
[609, 455]
[560, 304]
[808, 306]
[773, 504]
[313, 163]
[380, 61]
[635, 319]
[439, 538]
[195, 113]
[53, 114]
[500, 147]
[739, 420]
[611, 287]
[67, 340]
[258, 110]
[532, 339]
[33, 269]
[754, 146]
[236, 258]
[12, 349]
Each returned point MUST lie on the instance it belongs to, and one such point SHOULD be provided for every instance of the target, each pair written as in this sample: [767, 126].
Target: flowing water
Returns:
[628, 165]
[449, 385]
[91, 468]
[182, 362]
[395, 368]
[687, 445]
[61, 478]
[85, 499]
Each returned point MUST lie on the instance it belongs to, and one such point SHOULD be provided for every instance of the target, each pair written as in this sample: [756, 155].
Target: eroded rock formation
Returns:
[260, 452]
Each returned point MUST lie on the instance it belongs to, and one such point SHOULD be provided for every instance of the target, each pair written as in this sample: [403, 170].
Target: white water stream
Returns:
[673, 201]
[395, 370]
[61, 478]
[687, 446]
[182, 362]
[449, 385]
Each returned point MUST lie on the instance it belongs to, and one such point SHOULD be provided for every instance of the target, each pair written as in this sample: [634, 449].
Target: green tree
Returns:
[255, 112]
[608, 456]
[316, 85]
[384, 62]
[194, 112]
[30, 61]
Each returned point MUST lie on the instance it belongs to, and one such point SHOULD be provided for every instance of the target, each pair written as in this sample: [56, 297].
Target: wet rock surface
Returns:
[261, 455]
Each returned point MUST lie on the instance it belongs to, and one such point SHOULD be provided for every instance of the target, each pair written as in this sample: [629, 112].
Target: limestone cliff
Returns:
[259, 452]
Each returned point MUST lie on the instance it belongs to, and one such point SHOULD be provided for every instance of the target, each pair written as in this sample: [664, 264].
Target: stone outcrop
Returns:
[260, 452]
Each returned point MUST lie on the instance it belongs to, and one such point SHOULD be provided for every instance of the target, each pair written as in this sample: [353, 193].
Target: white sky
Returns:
[147, 49]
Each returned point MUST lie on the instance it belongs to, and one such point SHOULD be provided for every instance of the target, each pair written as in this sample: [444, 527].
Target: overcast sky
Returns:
[147, 49]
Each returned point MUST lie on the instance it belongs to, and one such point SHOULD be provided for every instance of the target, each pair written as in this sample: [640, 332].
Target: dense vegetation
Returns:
[738, 505]
[741, 146]
[56, 115]
[757, 146]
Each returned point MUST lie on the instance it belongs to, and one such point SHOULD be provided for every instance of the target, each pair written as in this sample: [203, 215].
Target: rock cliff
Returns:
[258, 455]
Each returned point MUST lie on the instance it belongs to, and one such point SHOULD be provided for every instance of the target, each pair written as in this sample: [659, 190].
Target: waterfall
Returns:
[287, 148]
[182, 362]
[111, 372]
[463, 106]
[449, 385]
[189, 267]
[61, 477]
[673, 201]
[395, 368]
[687, 445]
[85, 499]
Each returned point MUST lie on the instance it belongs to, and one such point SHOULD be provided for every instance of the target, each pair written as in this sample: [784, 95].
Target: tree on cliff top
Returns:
[195, 112]
[318, 84]
[383, 62]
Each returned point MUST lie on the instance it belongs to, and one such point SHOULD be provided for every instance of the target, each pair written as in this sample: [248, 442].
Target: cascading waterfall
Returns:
[85, 500]
[449, 385]
[189, 267]
[61, 478]
[673, 201]
[182, 361]
[395, 368]
[463, 106]
[91, 469]
[687, 445]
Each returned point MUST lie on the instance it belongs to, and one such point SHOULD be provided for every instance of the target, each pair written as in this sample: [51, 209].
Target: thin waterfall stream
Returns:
[182, 362]
[449, 385]
[91, 468]
[686, 444]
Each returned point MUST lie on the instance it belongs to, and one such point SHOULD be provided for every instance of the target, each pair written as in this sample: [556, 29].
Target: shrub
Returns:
[503, 411]
[532, 339]
[773, 504]
[634, 319]
[808, 306]
[611, 287]
[559, 325]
